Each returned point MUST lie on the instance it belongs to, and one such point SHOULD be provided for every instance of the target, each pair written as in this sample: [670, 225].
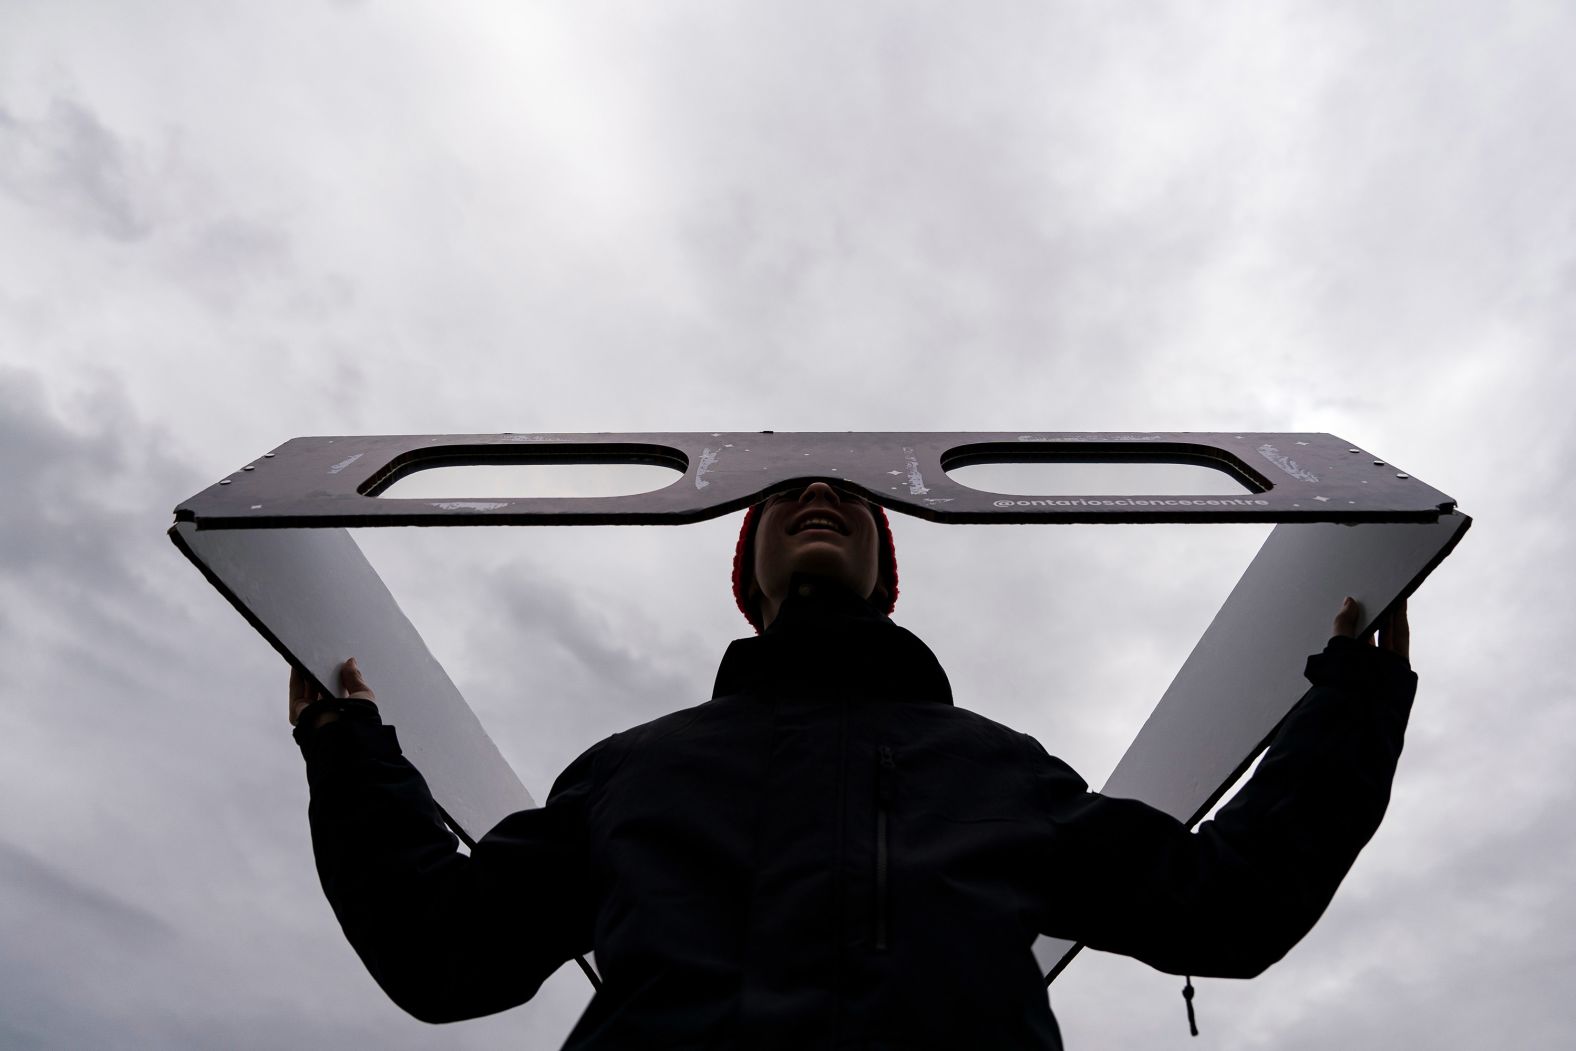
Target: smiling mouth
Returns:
[817, 525]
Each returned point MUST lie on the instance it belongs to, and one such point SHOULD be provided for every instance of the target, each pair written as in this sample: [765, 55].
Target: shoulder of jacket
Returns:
[662, 726]
[1051, 768]
[610, 752]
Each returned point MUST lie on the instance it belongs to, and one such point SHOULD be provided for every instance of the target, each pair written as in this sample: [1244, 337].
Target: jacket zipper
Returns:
[885, 768]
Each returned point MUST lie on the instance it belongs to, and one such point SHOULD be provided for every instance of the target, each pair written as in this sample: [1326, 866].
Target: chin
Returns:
[828, 562]
[831, 563]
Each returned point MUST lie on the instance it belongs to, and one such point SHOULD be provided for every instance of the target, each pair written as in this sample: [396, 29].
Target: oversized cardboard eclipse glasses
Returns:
[272, 538]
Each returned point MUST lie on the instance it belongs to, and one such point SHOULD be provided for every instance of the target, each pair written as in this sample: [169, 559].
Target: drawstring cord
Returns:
[1187, 994]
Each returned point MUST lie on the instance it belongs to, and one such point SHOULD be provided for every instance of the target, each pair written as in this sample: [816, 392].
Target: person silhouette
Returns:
[829, 852]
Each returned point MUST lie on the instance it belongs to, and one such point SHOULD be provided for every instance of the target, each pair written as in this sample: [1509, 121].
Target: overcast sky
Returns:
[222, 226]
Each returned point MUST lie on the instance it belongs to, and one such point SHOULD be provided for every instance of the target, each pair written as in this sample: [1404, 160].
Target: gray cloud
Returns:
[231, 230]
[59, 918]
[39, 893]
[73, 167]
[60, 475]
[150, 901]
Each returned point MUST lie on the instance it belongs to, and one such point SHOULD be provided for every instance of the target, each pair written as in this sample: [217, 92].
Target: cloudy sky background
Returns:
[224, 226]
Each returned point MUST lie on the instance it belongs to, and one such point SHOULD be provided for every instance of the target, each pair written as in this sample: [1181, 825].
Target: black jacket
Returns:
[828, 853]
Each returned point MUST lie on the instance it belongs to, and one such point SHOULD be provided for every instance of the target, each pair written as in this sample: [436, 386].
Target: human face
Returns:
[787, 541]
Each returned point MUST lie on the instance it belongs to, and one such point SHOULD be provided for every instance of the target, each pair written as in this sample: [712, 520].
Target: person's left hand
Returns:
[1395, 634]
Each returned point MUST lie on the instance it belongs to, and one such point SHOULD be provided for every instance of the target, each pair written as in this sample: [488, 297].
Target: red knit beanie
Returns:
[744, 562]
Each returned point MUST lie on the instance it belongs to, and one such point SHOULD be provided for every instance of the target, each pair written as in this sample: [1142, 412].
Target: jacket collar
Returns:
[813, 600]
[828, 640]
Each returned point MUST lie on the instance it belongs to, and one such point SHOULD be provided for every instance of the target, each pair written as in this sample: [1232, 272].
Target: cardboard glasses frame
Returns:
[273, 539]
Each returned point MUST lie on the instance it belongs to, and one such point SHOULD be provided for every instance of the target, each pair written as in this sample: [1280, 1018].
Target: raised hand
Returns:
[303, 691]
[1395, 634]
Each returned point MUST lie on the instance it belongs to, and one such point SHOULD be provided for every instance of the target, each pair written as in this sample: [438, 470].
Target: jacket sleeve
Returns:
[447, 936]
[1234, 896]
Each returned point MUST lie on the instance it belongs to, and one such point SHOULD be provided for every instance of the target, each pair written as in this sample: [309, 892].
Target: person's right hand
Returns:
[303, 691]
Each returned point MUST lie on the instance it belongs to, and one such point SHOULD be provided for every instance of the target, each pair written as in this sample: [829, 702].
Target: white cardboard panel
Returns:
[315, 596]
[1245, 674]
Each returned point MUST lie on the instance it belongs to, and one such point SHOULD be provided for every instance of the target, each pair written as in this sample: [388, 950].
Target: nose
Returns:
[820, 489]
